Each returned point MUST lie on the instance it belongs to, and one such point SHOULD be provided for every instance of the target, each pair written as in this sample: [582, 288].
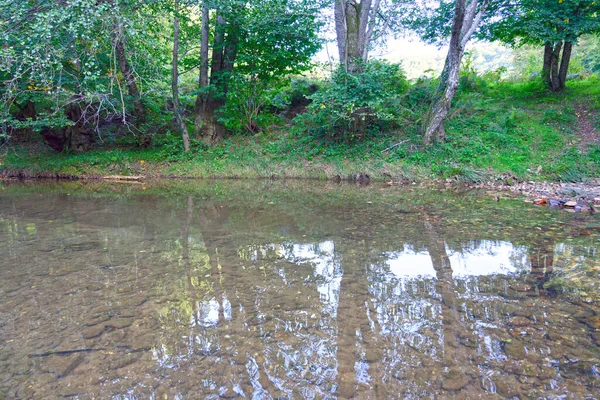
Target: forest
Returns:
[233, 88]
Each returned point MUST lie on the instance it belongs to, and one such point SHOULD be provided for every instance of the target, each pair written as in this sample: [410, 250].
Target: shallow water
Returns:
[293, 290]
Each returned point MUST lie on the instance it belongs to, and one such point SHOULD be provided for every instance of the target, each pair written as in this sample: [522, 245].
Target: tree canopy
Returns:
[554, 24]
[79, 72]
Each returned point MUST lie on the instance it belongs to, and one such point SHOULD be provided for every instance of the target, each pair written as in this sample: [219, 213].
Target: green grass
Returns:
[501, 130]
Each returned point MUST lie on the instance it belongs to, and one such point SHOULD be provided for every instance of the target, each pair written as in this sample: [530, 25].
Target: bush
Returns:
[419, 95]
[352, 106]
[294, 97]
[247, 107]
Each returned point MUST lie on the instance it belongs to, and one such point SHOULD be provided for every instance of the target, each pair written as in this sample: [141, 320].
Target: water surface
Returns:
[293, 290]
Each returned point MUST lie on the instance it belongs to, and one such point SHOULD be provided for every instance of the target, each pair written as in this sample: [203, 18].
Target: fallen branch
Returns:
[123, 178]
[395, 145]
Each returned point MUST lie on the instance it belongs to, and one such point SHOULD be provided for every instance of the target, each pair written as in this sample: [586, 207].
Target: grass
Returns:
[496, 130]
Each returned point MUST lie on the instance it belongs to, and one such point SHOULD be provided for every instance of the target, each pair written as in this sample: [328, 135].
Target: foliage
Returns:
[545, 21]
[504, 131]
[276, 37]
[295, 93]
[247, 107]
[590, 56]
[56, 54]
[353, 106]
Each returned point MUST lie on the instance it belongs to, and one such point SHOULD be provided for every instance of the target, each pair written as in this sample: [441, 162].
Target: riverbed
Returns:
[278, 289]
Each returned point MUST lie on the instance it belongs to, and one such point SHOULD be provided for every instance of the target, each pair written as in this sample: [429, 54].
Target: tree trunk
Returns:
[140, 111]
[554, 70]
[554, 67]
[466, 20]
[449, 80]
[547, 68]
[212, 96]
[340, 28]
[175, 81]
[352, 30]
[204, 48]
[448, 85]
[207, 127]
[564, 65]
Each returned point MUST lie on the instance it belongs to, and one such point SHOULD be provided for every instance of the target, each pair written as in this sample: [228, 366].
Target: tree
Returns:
[66, 67]
[359, 24]
[257, 39]
[175, 80]
[555, 24]
[467, 17]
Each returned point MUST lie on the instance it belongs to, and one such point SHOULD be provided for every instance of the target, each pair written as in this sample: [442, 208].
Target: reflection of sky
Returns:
[326, 268]
[484, 258]
[208, 312]
[409, 263]
[489, 258]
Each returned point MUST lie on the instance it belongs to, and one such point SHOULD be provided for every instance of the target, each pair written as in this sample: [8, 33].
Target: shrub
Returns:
[352, 106]
[247, 107]
[294, 97]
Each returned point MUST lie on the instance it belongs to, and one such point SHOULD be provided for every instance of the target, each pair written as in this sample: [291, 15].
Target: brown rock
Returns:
[520, 287]
[371, 356]
[228, 393]
[583, 314]
[519, 368]
[571, 204]
[97, 320]
[240, 358]
[515, 350]
[142, 342]
[522, 312]
[125, 360]
[127, 314]
[93, 331]
[346, 390]
[455, 380]
[119, 323]
[593, 322]
[519, 321]
[506, 388]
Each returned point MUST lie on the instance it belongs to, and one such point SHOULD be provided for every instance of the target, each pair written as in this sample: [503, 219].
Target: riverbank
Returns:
[506, 136]
[582, 196]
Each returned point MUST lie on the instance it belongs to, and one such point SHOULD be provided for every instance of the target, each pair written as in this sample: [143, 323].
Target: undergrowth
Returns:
[496, 130]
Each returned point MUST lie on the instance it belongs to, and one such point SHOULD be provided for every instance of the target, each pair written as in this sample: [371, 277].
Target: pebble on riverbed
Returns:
[570, 205]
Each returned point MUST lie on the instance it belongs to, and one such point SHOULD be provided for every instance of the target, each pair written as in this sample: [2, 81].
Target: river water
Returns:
[194, 290]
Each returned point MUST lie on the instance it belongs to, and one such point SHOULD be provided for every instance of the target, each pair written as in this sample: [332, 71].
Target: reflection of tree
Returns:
[456, 356]
[356, 339]
[541, 256]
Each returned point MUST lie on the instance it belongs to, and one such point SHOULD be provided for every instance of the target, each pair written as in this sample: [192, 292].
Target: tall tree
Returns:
[554, 24]
[128, 74]
[359, 24]
[467, 17]
[175, 80]
[258, 39]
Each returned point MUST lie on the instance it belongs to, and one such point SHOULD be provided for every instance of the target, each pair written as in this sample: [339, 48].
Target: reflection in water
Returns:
[480, 258]
[206, 296]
